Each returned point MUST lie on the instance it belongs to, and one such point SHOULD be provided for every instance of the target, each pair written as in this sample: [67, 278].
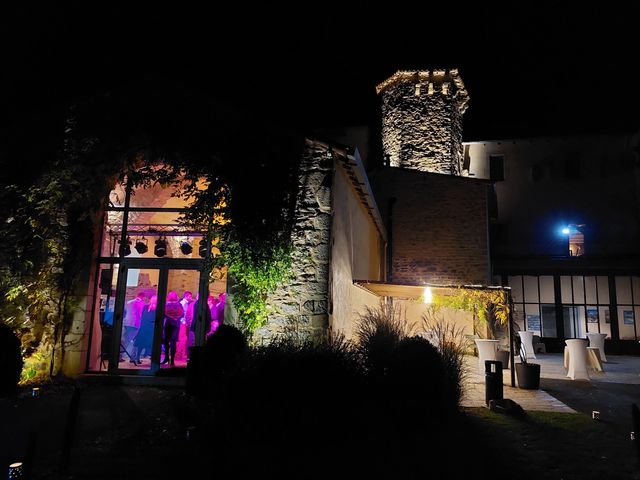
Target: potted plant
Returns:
[502, 354]
[528, 373]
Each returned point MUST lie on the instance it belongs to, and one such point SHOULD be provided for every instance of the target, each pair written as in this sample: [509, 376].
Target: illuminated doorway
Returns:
[148, 282]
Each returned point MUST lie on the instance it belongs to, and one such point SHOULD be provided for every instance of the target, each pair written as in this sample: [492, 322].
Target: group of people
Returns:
[180, 324]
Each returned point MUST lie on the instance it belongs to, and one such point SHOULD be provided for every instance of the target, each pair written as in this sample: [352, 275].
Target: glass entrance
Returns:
[155, 306]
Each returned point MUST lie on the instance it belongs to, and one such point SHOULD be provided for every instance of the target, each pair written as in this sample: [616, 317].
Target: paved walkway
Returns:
[620, 369]
[474, 392]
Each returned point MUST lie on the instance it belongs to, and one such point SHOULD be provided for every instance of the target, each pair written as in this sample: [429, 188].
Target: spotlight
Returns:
[566, 231]
[185, 247]
[160, 250]
[202, 249]
[125, 248]
[141, 246]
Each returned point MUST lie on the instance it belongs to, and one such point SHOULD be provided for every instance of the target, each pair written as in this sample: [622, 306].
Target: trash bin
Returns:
[493, 380]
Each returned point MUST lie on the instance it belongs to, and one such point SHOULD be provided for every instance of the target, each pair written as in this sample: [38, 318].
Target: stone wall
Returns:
[299, 306]
[439, 226]
[422, 120]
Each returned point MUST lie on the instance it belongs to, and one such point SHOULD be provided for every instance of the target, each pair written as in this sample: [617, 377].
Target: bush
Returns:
[452, 346]
[10, 360]
[378, 332]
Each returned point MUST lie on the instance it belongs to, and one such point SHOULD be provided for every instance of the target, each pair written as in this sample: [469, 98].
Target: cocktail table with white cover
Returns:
[486, 351]
[527, 344]
[577, 359]
[597, 340]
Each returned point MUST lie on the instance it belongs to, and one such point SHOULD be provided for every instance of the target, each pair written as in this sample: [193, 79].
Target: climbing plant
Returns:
[238, 187]
[489, 306]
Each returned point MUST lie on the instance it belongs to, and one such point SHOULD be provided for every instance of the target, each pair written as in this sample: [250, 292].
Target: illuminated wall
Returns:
[422, 120]
[336, 240]
[438, 226]
[357, 254]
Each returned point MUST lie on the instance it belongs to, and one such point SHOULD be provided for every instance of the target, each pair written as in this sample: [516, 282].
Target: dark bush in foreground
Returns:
[10, 360]
[328, 408]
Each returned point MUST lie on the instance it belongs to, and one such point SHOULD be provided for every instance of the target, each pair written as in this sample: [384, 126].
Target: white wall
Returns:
[356, 254]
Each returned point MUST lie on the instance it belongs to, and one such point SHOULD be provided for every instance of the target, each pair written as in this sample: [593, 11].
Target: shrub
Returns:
[378, 332]
[10, 360]
[451, 343]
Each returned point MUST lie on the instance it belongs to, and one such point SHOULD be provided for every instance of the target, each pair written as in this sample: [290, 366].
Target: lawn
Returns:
[554, 445]
[140, 432]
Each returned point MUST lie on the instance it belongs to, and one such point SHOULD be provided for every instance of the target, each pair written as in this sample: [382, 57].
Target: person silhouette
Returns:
[173, 312]
[145, 335]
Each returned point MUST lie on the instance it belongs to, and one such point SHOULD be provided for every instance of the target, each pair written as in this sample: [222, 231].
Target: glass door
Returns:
[154, 308]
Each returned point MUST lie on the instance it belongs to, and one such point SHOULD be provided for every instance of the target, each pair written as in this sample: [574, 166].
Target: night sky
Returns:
[529, 70]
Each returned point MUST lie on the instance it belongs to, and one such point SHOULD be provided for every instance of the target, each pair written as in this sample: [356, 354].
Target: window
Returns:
[496, 167]
[585, 305]
[575, 237]
[534, 304]
[628, 300]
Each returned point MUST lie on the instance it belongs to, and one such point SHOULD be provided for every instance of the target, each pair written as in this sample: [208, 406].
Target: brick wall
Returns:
[439, 228]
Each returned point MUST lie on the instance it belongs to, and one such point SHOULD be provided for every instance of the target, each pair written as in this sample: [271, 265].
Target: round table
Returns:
[527, 344]
[597, 340]
[577, 359]
[486, 351]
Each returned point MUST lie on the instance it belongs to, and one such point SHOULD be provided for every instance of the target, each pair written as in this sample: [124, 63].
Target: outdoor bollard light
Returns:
[595, 414]
[16, 471]
[35, 392]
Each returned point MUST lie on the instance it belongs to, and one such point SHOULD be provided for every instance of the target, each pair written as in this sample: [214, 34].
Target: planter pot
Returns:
[528, 375]
[503, 356]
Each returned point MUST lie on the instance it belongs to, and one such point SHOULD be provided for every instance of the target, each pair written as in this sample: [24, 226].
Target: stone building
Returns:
[556, 219]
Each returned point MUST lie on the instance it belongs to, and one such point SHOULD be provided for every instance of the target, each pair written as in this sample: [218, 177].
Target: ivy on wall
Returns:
[239, 187]
[488, 306]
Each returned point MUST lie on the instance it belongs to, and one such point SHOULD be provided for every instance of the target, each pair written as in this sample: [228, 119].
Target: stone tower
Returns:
[422, 120]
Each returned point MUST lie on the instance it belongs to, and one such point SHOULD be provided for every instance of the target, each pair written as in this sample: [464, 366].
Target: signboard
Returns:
[628, 317]
[533, 322]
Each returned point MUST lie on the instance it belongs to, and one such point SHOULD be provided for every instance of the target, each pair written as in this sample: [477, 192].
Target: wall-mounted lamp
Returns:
[427, 296]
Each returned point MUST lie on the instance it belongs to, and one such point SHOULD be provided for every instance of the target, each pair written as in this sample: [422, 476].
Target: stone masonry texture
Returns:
[299, 305]
[422, 120]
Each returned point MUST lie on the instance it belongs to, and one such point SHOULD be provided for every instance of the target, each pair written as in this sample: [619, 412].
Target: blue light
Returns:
[566, 231]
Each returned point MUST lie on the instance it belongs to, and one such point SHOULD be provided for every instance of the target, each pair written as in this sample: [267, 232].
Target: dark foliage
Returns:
[417, 377]
[378, 332]
[10, 360]
[278, 410]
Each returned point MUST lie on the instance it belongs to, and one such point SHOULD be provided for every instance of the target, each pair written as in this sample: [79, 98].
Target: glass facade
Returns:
[148, 284]
[580, 303]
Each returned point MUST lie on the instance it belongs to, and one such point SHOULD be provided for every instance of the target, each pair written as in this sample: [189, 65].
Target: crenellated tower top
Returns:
[422, 120]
